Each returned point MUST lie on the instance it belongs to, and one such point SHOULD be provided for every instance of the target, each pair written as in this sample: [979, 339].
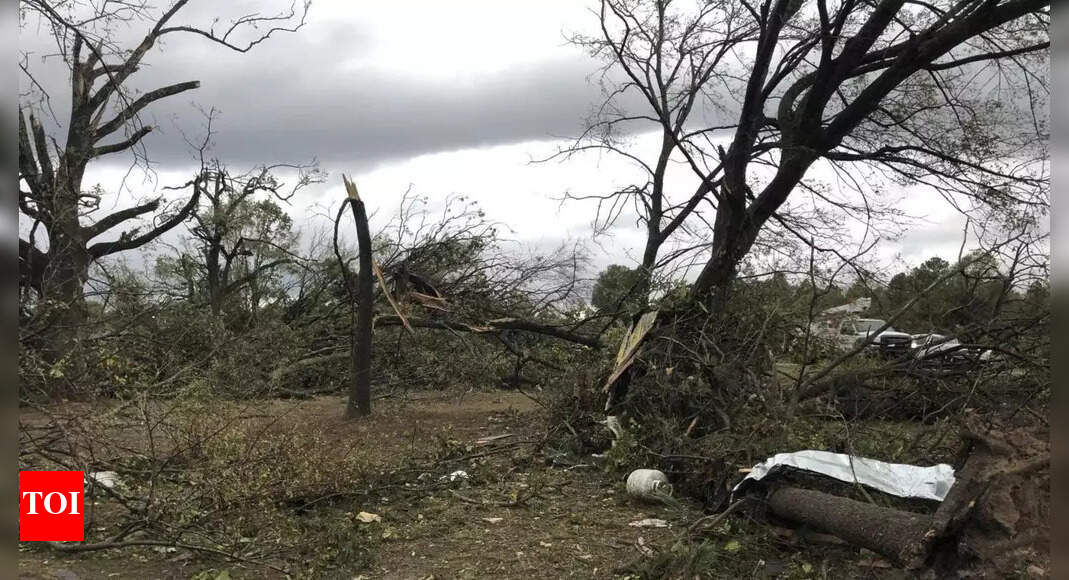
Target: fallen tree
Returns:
[447, 272]
[996, 507]
[898, 535]
[495, 326]
[491, 327]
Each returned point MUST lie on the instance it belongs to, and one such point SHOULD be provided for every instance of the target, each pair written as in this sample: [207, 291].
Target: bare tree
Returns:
[668, 59]
[241, 236]
[915, 92]
[103, 104]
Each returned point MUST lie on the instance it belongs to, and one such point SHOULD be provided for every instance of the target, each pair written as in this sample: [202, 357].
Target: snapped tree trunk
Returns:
[360, 383]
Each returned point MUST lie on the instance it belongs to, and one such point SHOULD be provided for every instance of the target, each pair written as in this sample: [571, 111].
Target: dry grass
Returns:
[279, 483]
[293, 474]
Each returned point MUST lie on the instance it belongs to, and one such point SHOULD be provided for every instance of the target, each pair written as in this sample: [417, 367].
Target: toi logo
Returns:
[51, 506]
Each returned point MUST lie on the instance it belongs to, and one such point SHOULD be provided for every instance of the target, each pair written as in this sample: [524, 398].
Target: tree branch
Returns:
[109, 221]
[492, 326]
[231, 287]
[27, 165]
[143, 101]
[32, 263]
[41, 143]
[121, 145]
[128, 241]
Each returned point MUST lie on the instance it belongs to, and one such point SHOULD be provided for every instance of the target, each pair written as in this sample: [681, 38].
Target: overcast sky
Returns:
[448, 97]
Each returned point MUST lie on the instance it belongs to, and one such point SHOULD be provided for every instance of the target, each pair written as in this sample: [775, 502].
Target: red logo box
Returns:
[51, 506]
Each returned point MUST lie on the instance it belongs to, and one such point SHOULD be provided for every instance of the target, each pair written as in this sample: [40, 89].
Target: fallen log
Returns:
[901, 537]
[998, 506]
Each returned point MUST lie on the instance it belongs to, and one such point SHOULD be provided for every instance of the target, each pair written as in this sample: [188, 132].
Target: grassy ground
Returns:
[516, 514]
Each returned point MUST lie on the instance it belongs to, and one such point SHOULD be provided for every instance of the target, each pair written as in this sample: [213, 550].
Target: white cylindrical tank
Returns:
[648, 484]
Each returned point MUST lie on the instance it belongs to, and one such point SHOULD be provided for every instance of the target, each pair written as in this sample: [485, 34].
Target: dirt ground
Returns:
[519, 510]
[514, 516]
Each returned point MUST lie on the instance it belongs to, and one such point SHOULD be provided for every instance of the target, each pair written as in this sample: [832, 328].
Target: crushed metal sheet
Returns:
[897, 479]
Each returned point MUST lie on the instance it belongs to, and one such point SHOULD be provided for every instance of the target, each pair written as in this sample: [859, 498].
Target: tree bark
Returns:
[66, 270]
[360, 386]
[64, 279]
[900, 536]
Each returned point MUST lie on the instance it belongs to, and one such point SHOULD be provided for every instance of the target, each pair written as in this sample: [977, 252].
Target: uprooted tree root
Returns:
[996, 515]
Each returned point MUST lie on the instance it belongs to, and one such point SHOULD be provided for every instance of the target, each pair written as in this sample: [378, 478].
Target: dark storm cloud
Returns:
[308, 94]
[369, 117]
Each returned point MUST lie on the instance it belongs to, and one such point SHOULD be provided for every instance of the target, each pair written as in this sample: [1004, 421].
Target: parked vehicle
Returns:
[939, 349]
[841, 328]
[889, 342]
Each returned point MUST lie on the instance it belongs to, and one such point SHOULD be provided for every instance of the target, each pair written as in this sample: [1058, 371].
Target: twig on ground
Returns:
[513, 503]
[77, 548]
[714, 519]
[494, 451]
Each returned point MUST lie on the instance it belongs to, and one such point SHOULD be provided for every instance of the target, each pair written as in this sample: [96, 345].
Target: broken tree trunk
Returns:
[359, 404]
[998, 505]
[897, 535]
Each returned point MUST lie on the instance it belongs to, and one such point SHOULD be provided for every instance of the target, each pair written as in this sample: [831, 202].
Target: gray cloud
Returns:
[300, 96]
[308, 94]
[934, 239]
[373, 117]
